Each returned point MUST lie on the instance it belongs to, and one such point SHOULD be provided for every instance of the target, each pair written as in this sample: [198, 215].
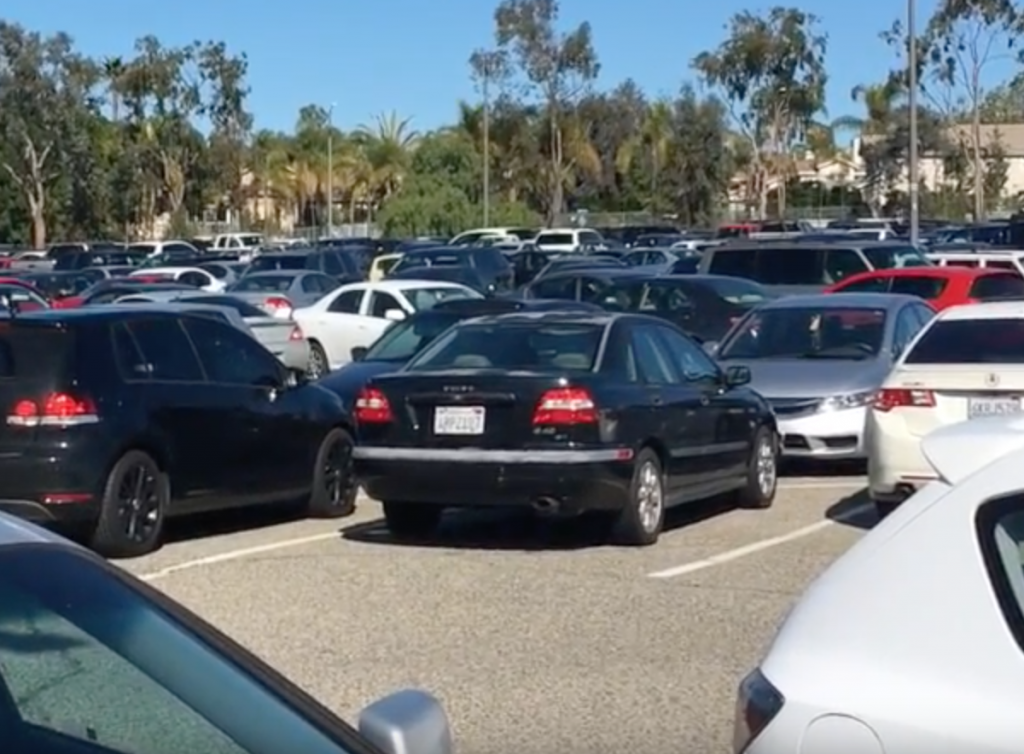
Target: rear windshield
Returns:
[28, 352]
[264, 284]
[523, 234]
[405, 339]
[970, 341]
[243, 308]
[997, 286]
[532, 346]
[278, 262]
[555, 239]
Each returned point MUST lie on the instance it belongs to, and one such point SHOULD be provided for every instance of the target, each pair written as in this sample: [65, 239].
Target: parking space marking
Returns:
[763, 544]
[244, 552]
[823, 484]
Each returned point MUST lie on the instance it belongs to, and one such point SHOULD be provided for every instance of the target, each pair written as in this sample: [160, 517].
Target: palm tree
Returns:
[388, 144]
[113, 72]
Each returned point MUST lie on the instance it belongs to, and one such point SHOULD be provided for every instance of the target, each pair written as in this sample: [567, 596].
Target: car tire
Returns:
[136, 497]
[319, 366]
[640, 523]
[334, 489]
[762, 480]
[884, 507]
[411, 520]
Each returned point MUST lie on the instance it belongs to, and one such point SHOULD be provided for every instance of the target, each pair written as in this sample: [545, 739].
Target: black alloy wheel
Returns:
[133, 509]
[334, 483]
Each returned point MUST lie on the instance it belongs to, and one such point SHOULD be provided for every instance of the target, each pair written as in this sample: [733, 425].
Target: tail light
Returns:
[55, 410]
[372, 407]
[757, 704]
[278, 304]
[296, 334]
[565, 406]
[889, 398]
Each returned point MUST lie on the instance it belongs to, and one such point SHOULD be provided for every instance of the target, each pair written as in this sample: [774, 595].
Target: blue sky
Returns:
[410, 56]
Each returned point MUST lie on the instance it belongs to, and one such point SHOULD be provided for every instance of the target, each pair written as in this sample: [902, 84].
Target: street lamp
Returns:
[912, 172]
[330, 170]
[487, 150]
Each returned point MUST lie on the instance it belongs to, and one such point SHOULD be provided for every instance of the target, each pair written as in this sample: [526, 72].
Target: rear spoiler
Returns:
[959, 450]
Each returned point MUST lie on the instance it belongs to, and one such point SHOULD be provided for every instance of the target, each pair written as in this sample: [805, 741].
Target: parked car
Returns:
[283, 338]
[356, 315]
[405, 339]
[703, 306]
[336, 263]
[56, 286]
[20, 297]
[79, 260]
[820, 360]
[449, 273]
[564, 412]
[922, 620]
[118, 419]
[967, 364]
[489, 263]
[281, 292]
[108, 291]
[588, 284]
[998, 259]
[941, 287]
[193, 276]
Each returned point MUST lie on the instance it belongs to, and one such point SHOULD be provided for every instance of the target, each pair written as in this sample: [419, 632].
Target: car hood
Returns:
[349, 380]
[809, 378]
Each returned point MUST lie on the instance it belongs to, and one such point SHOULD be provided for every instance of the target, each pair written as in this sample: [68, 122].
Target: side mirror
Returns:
[737, 376]
[710, 347]
[408, 722]
[395, 315]
[358, 353]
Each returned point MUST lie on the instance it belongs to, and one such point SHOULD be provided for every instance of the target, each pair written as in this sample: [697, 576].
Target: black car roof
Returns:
[58, 317]
[566, 317]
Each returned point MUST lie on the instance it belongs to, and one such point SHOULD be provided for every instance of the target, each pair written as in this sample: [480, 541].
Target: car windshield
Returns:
[808, 333]
[278, 262]
[888, 257]
[428, 298]
[512, 345]
[646, 297]
[77, 640]
[970, 341]
[263, 284]
[404, 340]
[737, 291]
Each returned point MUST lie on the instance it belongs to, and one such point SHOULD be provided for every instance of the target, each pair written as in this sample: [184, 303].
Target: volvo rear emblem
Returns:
[992, 379]
[457, 388]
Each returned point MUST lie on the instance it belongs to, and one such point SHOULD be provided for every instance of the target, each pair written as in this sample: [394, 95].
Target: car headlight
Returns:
[849, 400]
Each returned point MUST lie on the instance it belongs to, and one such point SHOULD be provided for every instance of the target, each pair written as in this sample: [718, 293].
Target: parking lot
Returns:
[534, 638]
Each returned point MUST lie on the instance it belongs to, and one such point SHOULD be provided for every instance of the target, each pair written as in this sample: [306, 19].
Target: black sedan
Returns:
[705, 306]
[405, 339]
[617, 414]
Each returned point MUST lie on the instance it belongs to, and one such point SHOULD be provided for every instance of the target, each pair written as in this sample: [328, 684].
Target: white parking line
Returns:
[764, 544]
[245, 552]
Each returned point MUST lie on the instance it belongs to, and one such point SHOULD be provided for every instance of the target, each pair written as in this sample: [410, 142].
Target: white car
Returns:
[185, 275]
[913, 641]
[967, 363]
[564, 240]
[356, 315]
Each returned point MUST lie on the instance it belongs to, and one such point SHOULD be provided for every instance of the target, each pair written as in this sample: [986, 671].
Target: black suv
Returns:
[490, 264]
[334, 262]
[118, 418]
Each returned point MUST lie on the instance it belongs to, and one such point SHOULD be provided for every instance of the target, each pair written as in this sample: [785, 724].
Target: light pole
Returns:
[330, 170]
[915, 209]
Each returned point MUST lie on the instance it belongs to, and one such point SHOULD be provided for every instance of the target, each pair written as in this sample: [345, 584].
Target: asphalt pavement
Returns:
[535, 638]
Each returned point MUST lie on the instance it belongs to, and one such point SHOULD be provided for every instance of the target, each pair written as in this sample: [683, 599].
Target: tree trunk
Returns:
[37, 211]
[979, 163]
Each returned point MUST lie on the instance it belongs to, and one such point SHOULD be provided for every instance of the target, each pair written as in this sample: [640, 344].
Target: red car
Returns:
[27, 298]
[942, 287]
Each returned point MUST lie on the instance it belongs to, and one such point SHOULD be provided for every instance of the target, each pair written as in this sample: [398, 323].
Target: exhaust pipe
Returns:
[547, 506]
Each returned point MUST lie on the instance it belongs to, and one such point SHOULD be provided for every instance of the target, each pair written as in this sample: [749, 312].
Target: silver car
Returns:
[81, 636]
[283, 338]
[819, 360]
[279, 292]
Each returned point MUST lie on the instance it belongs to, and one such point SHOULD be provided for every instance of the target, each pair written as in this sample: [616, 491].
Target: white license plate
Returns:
[978, 408]
[459, 420]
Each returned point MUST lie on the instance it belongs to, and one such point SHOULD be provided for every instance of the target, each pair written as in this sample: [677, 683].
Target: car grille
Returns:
[787, 407]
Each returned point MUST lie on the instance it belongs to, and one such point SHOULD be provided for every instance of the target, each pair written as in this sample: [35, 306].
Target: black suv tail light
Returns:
[757, 704]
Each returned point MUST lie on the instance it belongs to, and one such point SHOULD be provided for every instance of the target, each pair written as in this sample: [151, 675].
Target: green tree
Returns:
[557, 70]
[771, 71]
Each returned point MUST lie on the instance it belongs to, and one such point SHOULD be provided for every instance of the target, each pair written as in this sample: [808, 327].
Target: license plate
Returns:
[978, 408]
[459, 420]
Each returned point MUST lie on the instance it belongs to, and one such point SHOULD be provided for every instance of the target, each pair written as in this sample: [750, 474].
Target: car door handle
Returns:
[657, 401]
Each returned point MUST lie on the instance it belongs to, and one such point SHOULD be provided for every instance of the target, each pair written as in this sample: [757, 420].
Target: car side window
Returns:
[841, 264]
[924, 315]
[688, 357]
[652, 358]
[231, 357]
[906, 328]
[871, 285]
[381, 303]
[311, 284]
[561, 288]
[919, 285]
[347, 302]
[130, 363]
[196, 279]
[331, 264]
[168, 353]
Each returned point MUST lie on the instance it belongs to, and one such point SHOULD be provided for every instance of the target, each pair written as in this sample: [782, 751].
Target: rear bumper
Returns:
[49, 484]
[579, 480]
